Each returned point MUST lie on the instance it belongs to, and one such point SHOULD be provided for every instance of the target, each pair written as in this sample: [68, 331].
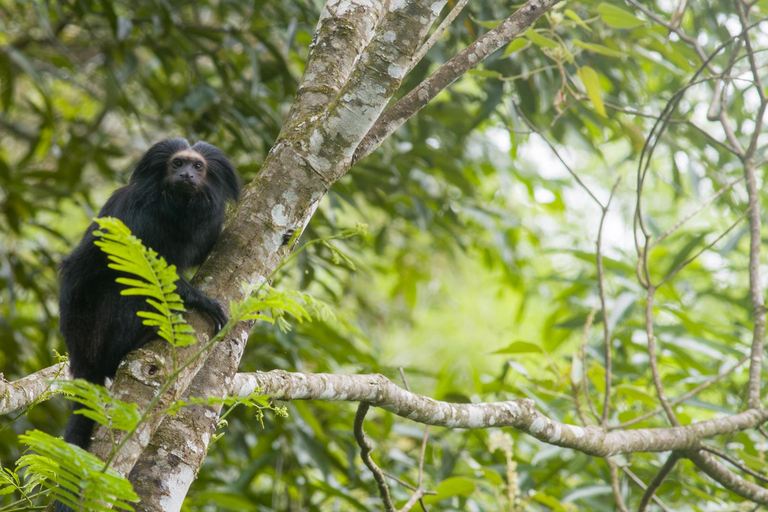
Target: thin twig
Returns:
[682, 35]
[647, 153]
[421, 466]
[541, 134]
[404, 483]
[704, 385]
[365, 454]
[650, 491]
[419, 492]
[654, 359]
[755, 291]
[583, 353]
[642, 485]
[706, 248]
[695, 212]
[437, 33]
[617, 497]
[606, 327]
[734, 461]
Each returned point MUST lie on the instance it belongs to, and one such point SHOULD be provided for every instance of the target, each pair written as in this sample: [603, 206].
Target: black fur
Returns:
[180, 222]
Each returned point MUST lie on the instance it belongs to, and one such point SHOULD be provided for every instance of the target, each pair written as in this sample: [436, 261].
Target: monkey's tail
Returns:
[79, 428]
[78, 432]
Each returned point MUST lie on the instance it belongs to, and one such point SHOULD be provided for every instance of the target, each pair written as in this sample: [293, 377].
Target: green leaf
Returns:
[598, 48]
[491, 24]
[454, 486]
[485, 73]
[516, 44]
[493, 477]
[587, 491]
[592, 84]
[618, 18]
[575, 17]
[520, 347]
[540, 40]
[548, 501]
[157, 280]
[100, 406]
[74, 476]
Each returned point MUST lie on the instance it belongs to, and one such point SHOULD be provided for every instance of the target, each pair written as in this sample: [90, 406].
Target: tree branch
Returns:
[520, 414]
[415, 100]
[727, 478]
[302, 165]
[650, 491]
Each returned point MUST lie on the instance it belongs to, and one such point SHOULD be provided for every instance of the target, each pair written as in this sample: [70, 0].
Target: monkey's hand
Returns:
[194, 298]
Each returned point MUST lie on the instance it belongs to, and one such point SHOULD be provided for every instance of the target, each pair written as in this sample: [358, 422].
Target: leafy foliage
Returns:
[69, 471]
[157, 280]
[100, 406]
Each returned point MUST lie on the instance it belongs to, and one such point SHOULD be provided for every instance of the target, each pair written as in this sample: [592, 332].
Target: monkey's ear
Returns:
[232, 182]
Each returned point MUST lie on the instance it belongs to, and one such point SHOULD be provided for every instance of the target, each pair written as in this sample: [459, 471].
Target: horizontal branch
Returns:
[22, 393]
[520, 414]
[377, 390]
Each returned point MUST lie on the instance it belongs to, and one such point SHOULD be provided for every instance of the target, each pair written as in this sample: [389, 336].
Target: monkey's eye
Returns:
[177, 163]
[198, 166]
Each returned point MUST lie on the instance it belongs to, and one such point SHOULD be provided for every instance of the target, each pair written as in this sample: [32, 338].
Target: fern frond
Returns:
[156, 280]
[74, 476]
[100, 406]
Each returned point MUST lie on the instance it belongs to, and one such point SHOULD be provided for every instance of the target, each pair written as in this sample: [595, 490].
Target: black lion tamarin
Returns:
[175, 203]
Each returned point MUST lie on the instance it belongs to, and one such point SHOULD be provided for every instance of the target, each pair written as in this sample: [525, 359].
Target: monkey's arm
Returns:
[194, 298]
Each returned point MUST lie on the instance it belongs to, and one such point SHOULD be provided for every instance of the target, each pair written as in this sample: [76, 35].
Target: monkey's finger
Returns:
[218, 315]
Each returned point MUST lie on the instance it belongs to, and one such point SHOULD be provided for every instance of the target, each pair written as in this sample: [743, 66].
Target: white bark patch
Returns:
[437, 7]
[192, 446]
[577, 431]
[144, 437]
[396, 71]
[390, 36]
[372, 94]
[328, 392]
[351, 122]
[178, 483]
[555, 437]
[316, 140]
[312, 210]
[344, 7]
[279, 215]
[394, 5]
[538, 425]
[319, 163]
[475, 418]
[252, 284]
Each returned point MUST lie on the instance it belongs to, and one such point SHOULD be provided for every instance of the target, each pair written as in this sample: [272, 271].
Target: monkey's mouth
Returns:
[186, 186]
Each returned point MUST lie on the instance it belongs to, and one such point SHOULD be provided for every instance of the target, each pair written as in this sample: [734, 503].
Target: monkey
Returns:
[175, 203]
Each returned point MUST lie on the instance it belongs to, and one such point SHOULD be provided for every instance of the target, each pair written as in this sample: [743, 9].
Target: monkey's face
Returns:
[186, 172]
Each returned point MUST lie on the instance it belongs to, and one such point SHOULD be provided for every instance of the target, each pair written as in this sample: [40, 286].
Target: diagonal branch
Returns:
[520, 414]
[650, 491]
[416, 99]
[727, 478]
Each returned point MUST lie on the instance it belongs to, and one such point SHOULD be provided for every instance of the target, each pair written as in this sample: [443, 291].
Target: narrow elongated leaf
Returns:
[592, 84]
